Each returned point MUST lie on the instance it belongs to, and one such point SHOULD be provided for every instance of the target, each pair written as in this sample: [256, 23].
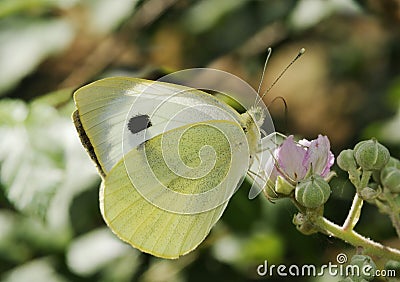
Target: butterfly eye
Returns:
[139, 123]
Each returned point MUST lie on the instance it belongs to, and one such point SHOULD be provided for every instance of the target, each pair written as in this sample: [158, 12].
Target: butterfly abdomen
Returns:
[86, 142]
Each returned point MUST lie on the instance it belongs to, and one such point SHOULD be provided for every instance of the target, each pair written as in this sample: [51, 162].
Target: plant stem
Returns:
[366, 175]
[395, 218]
[355, 210]
[347, 233]
[355, 239]
[393, 212]
[354, 213]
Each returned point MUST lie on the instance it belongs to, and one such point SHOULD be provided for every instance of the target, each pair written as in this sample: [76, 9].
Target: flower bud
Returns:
[359, 144]
[390, 178]
[393, 162]
[303, 224]
[366, 266]
[313, 192]
[370, 193]
[346, 160]
[371, 155]
[393, 265]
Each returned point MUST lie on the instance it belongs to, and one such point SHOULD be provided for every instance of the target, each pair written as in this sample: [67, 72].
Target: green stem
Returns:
[355, 210]
[355, 239]
[354, 213]
[366, 175]
[395, 218]
[297, 205]
[354, 176]
[346, 232]
[393, 212]
[383, 208]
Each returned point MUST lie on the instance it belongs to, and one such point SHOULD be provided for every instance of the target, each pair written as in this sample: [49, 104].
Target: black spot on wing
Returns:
[139, 123]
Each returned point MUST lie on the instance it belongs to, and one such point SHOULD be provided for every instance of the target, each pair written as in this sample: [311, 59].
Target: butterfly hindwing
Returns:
[152, 227]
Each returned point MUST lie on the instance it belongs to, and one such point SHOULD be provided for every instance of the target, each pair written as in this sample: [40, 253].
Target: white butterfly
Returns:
[171, 156]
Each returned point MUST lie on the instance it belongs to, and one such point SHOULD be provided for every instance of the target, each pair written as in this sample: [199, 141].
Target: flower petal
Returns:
[305, 142]
[270, 167]
[319, 156]
[331, 160]
[290, 160]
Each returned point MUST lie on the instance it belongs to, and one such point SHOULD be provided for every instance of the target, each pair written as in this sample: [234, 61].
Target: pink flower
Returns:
[294, 161]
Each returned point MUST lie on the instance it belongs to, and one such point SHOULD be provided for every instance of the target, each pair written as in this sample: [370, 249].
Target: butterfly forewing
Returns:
[106, 106]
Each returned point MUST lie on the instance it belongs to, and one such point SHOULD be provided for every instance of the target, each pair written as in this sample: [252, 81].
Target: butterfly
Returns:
[171, 156]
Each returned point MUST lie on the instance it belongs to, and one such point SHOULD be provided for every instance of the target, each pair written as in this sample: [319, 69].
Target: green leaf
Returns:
[36, 270]
[24, 44]
[40, 159]
[12, 7]
[29, 155]
[91, 252]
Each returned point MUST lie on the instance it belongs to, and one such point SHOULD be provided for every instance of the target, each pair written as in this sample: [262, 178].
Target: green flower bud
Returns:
[370, 193]
[357, 146]
[303, 224]
[313, 192]
[393, 162]
[346, 160]
[366, 266]
[371, 155]
[390, 178]
[393, 265]
[299, 219]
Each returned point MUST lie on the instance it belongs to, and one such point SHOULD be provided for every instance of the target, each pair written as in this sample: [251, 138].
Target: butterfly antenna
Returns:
[269, 50]
[284, 104]
[301, 52]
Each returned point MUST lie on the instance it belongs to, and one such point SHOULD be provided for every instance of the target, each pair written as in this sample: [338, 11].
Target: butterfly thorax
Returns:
[251, 123]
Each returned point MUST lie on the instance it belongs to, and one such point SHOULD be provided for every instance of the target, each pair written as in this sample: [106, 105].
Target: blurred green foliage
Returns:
[346, 86]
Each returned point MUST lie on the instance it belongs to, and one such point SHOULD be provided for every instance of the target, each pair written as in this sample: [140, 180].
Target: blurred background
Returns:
[346, 86]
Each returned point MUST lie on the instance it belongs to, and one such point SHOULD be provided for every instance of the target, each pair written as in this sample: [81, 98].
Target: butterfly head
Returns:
[258, 115]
